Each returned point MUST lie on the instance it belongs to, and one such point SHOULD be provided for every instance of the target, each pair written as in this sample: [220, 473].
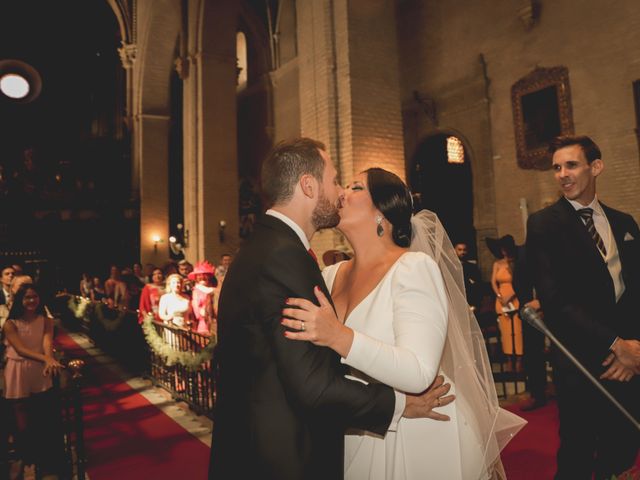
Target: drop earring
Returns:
[379, 229]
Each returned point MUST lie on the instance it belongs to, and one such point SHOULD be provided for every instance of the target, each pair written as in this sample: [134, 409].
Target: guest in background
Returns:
[28, 380]
[115, 289]
[507, 304]
[331, 257]
[139, 274]
[203, 297]
[184, 269]
[7, 276]
[174, 307]
[85, 285]
[98, 292]
[221, 269]
[133, 286]
[150, 296]
[471, 273]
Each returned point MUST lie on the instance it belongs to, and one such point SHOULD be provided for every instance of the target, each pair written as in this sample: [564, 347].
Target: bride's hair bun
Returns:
[391, 196]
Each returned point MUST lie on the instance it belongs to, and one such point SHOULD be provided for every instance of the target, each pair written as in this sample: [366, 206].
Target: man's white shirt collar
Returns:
[294, 226]
[594, 205]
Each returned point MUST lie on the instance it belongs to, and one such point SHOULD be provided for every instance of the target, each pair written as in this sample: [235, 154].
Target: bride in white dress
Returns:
[402, 319]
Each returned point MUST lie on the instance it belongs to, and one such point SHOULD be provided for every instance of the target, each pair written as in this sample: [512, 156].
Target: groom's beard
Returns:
[325, 215]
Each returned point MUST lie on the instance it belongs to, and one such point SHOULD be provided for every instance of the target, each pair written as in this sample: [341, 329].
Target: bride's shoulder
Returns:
[414, 264]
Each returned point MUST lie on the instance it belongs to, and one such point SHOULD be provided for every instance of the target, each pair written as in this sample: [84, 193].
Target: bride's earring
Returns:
[379, 229]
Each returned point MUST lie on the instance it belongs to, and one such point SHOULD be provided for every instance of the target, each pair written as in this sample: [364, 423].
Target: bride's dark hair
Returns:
[391, 196]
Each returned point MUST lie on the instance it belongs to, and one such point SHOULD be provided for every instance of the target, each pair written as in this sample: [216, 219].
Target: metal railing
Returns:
[194, 386]
[118, 333]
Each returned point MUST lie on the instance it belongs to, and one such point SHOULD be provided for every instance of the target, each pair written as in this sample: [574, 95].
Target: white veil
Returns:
[488, 428]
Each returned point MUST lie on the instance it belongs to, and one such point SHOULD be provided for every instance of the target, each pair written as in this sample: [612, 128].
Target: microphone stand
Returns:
[533, 318]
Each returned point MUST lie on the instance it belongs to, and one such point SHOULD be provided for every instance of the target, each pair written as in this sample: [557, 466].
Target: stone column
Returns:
[349, 87]
[152, 134]
[210, 145]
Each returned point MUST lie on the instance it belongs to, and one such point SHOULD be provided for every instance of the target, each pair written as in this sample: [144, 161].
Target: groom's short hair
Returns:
[286, 163]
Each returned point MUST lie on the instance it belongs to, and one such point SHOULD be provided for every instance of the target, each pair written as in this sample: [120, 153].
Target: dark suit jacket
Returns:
[574, 285]
[3, 297]
[282, 406]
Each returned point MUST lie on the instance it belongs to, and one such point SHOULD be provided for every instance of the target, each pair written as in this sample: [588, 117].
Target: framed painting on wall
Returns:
[541, 103]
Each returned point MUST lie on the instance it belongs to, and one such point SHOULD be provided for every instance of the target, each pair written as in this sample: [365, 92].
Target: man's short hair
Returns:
[286, 163]
[589, 147]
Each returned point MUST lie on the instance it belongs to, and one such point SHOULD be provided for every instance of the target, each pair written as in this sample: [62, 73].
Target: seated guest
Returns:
[150, 296]
[203, 297]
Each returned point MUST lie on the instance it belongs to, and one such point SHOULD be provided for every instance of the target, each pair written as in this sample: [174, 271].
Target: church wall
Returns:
[442, 47]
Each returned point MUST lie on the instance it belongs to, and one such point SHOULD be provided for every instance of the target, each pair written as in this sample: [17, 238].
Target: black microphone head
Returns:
[533, 318]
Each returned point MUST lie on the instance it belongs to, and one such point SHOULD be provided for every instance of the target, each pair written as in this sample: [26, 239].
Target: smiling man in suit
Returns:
[282, 407]
[585, 258]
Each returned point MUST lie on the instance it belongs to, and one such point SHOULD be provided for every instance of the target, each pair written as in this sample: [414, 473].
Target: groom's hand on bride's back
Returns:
[422, 406]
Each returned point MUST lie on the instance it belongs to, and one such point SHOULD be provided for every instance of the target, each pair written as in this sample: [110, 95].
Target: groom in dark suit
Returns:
[586, 262]
[282, 407]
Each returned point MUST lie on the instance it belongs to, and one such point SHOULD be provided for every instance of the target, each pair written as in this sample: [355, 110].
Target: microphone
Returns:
[533, 318]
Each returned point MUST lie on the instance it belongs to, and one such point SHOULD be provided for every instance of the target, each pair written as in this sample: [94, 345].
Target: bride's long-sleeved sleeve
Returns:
[419, 325]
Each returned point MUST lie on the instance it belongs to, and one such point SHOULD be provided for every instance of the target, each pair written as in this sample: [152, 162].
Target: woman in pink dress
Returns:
[203, 297]
[30, 364]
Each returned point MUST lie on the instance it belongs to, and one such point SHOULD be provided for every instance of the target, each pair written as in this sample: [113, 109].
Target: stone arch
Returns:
[442, 187]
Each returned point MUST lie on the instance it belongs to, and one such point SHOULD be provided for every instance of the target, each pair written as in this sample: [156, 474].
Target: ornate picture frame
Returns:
[541, 103]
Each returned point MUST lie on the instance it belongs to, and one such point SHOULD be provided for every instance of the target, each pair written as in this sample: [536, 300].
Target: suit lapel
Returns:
[574, 224]
[278, 227]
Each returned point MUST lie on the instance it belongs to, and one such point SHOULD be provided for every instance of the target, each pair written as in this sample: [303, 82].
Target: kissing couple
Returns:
[350, 372]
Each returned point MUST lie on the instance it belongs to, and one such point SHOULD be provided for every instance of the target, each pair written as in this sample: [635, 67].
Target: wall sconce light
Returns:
[156, 240]
[222, 227]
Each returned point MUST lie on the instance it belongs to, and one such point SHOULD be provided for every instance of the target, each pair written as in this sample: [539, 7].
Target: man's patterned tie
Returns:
[313, 254]
[587, 216]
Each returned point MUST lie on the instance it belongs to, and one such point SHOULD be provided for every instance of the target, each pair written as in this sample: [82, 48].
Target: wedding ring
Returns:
[302, 326]
[439, 402]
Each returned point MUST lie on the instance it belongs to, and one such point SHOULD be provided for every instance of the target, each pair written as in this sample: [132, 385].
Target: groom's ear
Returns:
[308, 185]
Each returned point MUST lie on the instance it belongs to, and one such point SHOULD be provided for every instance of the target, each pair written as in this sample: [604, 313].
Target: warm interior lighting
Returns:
[155, 238]
[241, 58]
[455, 150]
[172, 239]
[14, 86]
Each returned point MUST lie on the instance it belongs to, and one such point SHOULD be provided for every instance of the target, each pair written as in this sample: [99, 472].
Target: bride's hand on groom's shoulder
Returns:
[317, 324]
[422, 406]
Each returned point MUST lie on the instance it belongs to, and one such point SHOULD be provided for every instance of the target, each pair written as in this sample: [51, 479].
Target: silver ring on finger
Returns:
[302, 326]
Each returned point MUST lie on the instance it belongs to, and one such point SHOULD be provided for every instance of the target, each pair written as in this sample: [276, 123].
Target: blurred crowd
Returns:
[176, 293]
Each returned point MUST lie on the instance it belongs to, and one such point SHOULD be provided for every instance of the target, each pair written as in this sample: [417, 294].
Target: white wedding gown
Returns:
[399, 334]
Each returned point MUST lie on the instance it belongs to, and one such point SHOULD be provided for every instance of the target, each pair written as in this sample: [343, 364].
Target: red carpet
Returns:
[126, 436]
[532, 453]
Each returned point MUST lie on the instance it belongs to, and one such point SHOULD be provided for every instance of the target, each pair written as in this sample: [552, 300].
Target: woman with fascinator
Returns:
[401, 318]
[203, 297]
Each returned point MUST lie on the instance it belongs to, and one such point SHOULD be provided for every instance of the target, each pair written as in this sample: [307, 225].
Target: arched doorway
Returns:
[440, 178]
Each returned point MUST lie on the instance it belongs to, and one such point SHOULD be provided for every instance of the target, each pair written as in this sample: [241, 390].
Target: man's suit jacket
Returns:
[3, 297]
[282, 406]
[574, 285]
